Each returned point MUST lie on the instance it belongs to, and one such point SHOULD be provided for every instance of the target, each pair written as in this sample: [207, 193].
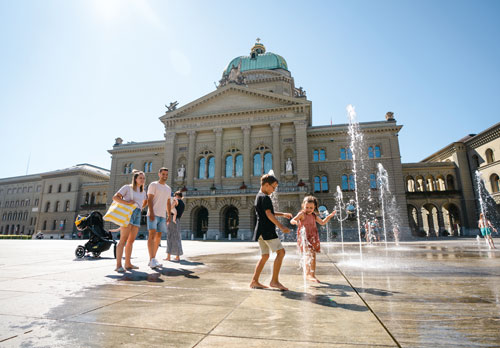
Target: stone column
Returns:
[466, 184]
[301, 151]
[190, 162]
[246, 154]
[276, 149]
[218, 157]
[168, 159]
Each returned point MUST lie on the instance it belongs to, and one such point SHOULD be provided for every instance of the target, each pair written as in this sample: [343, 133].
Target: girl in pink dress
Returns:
[306, 220]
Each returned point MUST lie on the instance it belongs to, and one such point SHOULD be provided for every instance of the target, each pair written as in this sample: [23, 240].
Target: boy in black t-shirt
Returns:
[265, 232]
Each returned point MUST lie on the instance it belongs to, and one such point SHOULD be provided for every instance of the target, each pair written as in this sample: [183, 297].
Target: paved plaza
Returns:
[421, 294]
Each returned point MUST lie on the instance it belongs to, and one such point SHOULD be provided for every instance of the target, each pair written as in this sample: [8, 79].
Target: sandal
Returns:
[132, 267]
[120, 270]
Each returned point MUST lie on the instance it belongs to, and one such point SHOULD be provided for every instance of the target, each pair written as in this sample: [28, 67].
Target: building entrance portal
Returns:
[200, 222]
[231, 222]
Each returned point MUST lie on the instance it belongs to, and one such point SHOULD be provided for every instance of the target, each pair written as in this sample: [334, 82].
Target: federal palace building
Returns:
[217, 146]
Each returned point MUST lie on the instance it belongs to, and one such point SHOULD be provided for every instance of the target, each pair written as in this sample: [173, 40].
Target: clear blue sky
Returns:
[74, 75]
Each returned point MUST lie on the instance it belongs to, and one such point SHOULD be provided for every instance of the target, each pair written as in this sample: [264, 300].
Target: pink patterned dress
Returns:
[312, 236]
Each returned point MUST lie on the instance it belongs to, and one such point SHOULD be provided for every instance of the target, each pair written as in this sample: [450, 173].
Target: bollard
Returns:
[216, 237]
[242, 237]
[229, 237]
[204, 236]
[192, 236]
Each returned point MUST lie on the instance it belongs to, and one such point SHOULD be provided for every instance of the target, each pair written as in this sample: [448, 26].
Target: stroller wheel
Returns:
[80, 252]
[96, 254]
[114, 250]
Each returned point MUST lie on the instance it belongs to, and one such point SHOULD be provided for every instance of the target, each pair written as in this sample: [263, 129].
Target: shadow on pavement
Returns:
[322, 300]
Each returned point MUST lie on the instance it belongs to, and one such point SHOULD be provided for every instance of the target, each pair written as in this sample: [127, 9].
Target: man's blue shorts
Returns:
[159, 224]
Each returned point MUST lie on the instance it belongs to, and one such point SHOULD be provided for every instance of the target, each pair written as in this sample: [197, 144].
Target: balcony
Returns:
[237, 192]
[433, 194]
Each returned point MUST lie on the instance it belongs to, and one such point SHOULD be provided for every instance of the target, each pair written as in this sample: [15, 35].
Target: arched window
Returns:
[321, 184]
[36, 202]
[59, 188]
[146, 167]
[322, 155]
[317, 184]
[377, 151]
[229, 166]
[56, 207]
[87, 199]
[47, 207]
[150, 169]
[92, 199]
[17, 203]
[490, 158]
[349, 153]
[211, 167]
[257, 164]
[324, 183]
[315, 155]
[125, 168]
[66, 206]
[201, 168]
[345, 183]
[69, 187]
[430, 183]
[44, 225]
[352, 183]
[239, 165]
[268, 162]
[373, 181]
[9, 217]
[370, 152]
[54, 224]
[22, 203]
[14, 216]
[25, 216]
[343, 154]
[440, 183]
[495, 183]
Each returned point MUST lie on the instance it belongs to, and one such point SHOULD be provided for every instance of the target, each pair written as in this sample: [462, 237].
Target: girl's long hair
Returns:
[135, 175]
[311, 199]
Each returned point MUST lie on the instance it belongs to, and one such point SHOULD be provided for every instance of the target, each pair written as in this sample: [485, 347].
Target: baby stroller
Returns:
[100, 240]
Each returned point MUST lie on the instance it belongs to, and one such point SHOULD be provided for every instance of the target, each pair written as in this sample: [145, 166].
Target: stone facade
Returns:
[49, 202]
[441, 190]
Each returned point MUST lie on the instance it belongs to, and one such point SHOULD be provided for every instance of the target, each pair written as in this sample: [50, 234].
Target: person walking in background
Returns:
[133, 194]
[158, 213]
[174, 240]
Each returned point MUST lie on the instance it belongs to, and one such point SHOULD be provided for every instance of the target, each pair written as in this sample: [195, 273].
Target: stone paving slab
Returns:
[418, 295]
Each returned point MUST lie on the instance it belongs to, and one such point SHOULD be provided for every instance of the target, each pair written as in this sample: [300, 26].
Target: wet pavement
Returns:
[421, 294]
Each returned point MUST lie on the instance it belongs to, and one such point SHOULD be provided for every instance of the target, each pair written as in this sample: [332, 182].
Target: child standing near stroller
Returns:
[307, 233]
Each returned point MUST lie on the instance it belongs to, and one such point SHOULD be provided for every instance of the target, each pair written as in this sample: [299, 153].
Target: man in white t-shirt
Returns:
[158, 213]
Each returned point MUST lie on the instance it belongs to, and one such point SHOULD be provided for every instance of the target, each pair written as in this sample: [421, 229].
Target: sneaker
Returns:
[154, 263]
[157, 264]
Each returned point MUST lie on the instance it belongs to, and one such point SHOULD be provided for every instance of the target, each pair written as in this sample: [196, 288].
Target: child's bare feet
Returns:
[177, 258]
[278, 285]
[257, 285]
[313, 278]
[167, 258]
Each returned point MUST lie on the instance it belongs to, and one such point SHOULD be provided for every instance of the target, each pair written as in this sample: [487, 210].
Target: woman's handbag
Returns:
[119, 213]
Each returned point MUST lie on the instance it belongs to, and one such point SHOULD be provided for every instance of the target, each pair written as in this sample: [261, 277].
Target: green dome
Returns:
[258, 60]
